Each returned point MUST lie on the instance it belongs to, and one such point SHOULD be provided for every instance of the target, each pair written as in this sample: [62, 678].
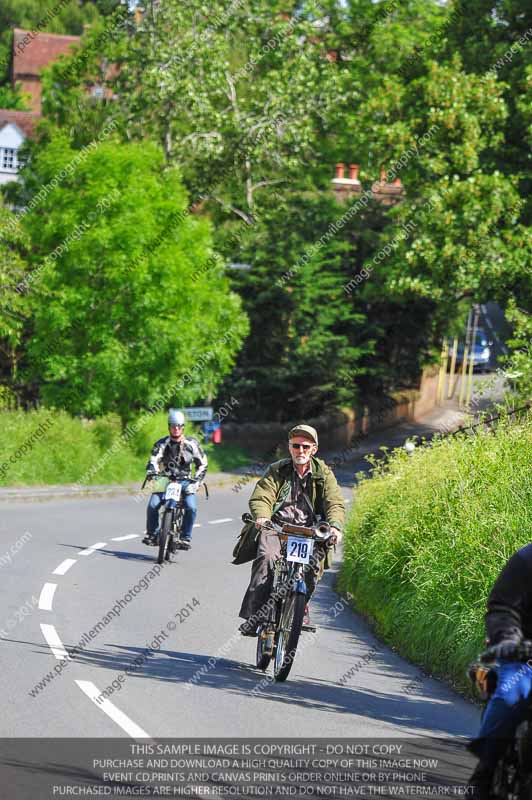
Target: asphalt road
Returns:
[67, 563]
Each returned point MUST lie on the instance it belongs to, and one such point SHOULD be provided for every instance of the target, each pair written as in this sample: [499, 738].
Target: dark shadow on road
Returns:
[127, 554]
[191, 671]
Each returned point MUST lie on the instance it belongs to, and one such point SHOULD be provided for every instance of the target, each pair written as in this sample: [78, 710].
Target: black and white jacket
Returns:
[178, 456]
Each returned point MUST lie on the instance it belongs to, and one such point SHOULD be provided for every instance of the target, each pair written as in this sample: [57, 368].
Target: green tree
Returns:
[461, 231]
[309, 342]
[122, 308]
[13, 309]
[232, 95]
[519, 364]
[257, 100]
[12, 98]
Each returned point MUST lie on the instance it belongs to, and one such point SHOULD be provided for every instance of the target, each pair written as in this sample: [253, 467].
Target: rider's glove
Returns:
[337, 533]
[505, 649]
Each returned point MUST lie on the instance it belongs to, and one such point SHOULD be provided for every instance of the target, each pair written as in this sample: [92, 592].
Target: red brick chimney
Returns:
[346, 187]
[385, 193]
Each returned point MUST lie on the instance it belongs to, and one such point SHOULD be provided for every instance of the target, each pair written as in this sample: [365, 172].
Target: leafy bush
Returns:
[428, 535]
[51, 447]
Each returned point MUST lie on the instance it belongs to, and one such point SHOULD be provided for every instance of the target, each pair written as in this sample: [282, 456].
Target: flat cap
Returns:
[304, 430]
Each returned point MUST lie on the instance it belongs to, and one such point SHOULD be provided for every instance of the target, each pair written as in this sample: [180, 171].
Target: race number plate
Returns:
[173, 491]
[299, 549]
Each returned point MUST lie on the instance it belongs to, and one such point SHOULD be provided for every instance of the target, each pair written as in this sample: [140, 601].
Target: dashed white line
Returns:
[54, 642]
[46, 597]
[121, 719]
[197, 525]
[92, 549]
[64, 566]
[123, 538]
[224, 519]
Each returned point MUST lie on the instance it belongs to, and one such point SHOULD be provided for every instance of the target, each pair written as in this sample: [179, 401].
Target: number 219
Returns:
[299, 549]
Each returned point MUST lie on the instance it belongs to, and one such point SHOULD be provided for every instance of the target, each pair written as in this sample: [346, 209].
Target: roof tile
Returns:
[30, 55]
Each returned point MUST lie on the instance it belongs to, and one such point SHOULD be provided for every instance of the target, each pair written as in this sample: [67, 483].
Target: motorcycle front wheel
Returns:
[290, 623]
[164, 537]
[263, 659]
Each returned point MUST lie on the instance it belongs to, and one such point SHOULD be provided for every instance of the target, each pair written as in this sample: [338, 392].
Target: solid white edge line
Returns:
[64, 566]
[123, 538]
[46, 597]
[53, 641]
[121, 719]
[224, 519]
[92, 548]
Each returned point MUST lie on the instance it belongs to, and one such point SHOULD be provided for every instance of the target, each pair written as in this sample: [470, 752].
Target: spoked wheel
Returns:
[288, 635]
[164, 537]
[263, 658]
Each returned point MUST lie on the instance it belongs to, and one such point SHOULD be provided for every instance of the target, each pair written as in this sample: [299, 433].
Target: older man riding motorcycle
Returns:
[301, 490]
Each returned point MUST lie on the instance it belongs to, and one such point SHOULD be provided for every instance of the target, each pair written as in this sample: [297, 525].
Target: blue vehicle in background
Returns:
[482, 352]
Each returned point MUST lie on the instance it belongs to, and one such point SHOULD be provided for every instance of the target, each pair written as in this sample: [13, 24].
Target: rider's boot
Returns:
[248, 628]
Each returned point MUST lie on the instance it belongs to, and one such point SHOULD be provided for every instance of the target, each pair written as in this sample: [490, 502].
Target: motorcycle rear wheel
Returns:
[290, 623]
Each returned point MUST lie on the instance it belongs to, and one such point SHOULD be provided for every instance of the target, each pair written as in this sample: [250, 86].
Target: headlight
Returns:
[486, 353]
[322, 531]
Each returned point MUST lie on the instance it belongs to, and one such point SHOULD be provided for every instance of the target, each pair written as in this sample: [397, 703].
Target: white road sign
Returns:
[198, 414]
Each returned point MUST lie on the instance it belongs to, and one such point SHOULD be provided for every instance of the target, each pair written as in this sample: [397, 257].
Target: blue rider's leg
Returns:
[191, 509]
[505, 710]
[152, 512]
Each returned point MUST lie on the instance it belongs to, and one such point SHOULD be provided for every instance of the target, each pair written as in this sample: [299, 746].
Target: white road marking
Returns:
[224, 519]
[123, 538]
[64, 566]
[54, 642]
[47, 596]
[121, 719]
[92, 548]
[197, 525]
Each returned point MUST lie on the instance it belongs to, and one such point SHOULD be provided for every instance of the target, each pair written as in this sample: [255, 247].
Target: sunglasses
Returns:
[297, 446]
[176, 426]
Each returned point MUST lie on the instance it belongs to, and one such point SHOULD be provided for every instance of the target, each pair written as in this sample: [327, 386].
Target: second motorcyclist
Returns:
[175, 453]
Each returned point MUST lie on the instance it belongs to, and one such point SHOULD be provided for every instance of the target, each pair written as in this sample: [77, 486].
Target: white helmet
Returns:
[175, 417]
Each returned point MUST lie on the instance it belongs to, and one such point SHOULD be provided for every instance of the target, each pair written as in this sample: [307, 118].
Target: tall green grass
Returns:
[428, 535]
[72, 450]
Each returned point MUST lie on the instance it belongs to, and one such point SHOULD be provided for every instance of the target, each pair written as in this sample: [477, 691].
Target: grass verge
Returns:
[428, 535]
[48, 447]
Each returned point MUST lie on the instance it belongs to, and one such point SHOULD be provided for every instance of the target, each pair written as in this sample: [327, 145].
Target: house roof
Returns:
[26, 120]
[39, 51]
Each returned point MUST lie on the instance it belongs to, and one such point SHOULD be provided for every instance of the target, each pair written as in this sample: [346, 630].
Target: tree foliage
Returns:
[254, 101]
[121, 309]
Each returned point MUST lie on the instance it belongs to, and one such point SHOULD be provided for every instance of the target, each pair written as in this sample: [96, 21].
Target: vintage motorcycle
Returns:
[278, 634]
[171, 515]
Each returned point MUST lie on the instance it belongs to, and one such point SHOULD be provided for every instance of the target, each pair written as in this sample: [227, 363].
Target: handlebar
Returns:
[173, 476]
[521, 652]
[321, 531]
